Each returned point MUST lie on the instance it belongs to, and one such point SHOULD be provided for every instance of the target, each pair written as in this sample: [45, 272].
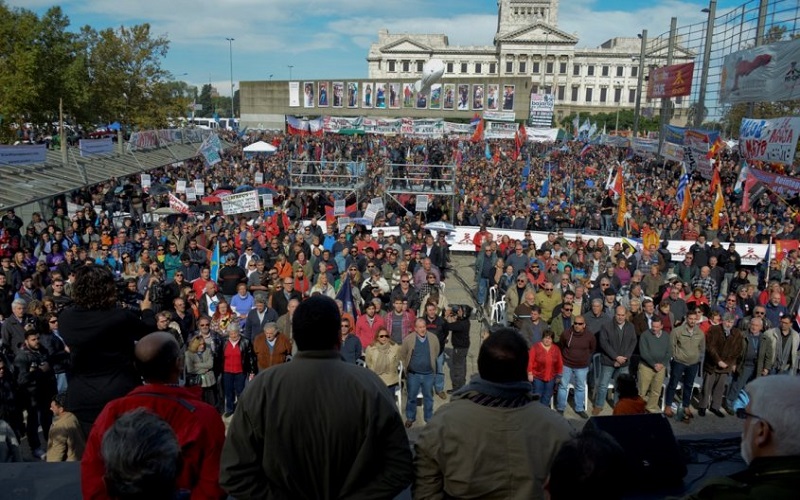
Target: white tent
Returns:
[260, 147]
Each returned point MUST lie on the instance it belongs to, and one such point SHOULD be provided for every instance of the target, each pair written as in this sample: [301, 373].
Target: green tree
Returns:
[204, 99]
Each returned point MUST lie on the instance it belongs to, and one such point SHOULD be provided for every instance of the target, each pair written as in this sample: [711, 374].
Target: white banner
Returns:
[239, 203]
[500, 130]
[542, 134]
[23, 155]
[294, 94]
[199, 188]
[499, 116]
[773, 141]
[641, 145]
[339, 207]
[145, 182]
[672, 152]
[768, 73]
[458, 129]
[180, 186]
[422, 203]
[92, 147]
[191, 194]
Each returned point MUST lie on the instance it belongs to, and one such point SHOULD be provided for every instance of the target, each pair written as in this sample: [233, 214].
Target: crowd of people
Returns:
[80, 290]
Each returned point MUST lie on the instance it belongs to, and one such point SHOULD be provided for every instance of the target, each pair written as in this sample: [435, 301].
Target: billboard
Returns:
[767, 73]
[670, 81]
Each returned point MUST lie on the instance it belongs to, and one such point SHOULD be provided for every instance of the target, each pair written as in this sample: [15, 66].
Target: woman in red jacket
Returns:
[544, 367]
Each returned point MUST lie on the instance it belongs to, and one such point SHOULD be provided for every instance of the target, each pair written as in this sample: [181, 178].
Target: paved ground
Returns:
[462, 289]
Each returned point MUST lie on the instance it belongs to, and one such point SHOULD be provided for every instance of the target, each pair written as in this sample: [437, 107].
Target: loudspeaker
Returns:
[655, 460]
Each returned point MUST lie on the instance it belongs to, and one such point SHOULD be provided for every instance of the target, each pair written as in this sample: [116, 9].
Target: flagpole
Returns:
[769, 262]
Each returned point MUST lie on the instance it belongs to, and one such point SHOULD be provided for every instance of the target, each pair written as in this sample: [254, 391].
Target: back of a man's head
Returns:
[504, 357]
[776, 401]
[142, 457]
[316, 324]
[585, 465]
[158, 358]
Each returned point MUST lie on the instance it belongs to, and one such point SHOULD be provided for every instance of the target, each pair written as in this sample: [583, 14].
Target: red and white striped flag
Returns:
[176, 204]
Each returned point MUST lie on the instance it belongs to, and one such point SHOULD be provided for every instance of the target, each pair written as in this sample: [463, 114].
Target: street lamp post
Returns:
[230, 45]
[701, 98]
[639, 82]
[290, 71]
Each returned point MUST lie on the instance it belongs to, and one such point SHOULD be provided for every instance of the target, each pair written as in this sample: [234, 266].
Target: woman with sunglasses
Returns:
[382, 357]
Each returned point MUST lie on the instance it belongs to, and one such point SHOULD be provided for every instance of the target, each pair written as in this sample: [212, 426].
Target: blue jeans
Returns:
[483, 290]
[438, 379]
[414, 382]
[579, 376]
[685, 374]
[233, 384]
[61, 382]
[605, 223]
[544, 390]
[607, 375]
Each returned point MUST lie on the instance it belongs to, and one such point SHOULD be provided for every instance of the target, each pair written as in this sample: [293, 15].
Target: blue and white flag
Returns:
[215, 263]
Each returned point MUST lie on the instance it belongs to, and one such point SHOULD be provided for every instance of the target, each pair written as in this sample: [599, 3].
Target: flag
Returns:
[496, 157]
[488, 152]
[719, 206]
[585, 150]
[715, 148]
[330, 218]
[476, 119]
[585, 127]
[618, 187]
[517, 143]
[576, 124]
[684, 196]
[622, 208]
[545, 191]
[737, 188]
[783, 247]
[215, 258]
[748, 186]
[296, 126]
[715, 180]
[523, 134]
[478, 135]
[345, 294]
[315, 127]
[592, 130]
[611, 179]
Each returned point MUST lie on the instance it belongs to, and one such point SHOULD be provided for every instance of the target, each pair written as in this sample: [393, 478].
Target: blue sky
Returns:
[330, 38]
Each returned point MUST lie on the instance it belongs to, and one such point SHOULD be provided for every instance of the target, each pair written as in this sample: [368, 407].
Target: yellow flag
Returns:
[687, 203]
[622, 209]
[719, 206]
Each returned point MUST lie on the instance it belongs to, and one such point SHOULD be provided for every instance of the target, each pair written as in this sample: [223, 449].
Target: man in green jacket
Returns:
[316, 427]
[688, 346]
[770, 444]
[655, 349]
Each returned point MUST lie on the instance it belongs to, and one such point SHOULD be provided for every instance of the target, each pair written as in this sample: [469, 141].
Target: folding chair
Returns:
[492, 296]
[398, 391]
[499, 313]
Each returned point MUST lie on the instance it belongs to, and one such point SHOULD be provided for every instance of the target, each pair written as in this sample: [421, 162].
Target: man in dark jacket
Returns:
[230, 276]
[37, 384]
[577, 347]
[458, 325]
[724, 346]
[356, 449]
[617, 342]
[281, 298]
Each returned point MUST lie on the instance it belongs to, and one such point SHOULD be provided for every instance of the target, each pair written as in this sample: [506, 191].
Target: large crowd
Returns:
[79, 286]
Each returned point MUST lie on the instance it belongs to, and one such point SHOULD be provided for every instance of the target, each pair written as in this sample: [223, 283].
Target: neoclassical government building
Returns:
[529, 56]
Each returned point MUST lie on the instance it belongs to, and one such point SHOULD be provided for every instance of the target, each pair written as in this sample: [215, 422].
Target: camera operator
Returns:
[37, 383]
[129, 296]
[457, 323]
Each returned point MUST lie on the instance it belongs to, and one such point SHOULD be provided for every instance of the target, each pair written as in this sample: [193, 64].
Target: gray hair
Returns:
[270, 326]
[233, 326]
[776, 399]
[19, 302]
[598, 302]
[728, 317]
[141, 455]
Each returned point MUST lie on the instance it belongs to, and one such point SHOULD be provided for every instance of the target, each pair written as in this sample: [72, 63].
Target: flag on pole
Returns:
[214, 267]
[478, 135]
[715, 180]
[684, 196]
[585, 150]
[476, 119]
[345, 294]
[617, 186]
[719, 206]
[545, 191]
[783, 247]
[748, 186]
[622, 208]
[487, 152]
[715, 148]
[523, 134]
[496, 157]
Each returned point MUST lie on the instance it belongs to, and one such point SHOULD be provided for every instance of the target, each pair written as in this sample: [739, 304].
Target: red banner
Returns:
[670, 81]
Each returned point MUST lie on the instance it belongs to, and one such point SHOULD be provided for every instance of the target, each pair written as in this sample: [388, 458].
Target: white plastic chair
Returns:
[492, 296]
[697, 384]
[441, 287]
[499, 312]
[398, 391]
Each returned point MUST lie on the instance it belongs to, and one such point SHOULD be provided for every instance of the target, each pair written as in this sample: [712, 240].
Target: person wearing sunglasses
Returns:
[768, 408]
[382, 357]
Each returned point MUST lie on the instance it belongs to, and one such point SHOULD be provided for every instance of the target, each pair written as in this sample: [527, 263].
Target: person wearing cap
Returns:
[724, 346]
[230, 276]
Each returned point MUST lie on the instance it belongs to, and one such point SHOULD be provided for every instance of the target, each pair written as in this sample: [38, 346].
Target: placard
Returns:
[240, 203]
[773, 141]
[259, 178]
[266, 200]
[422, 203]
[339, 207]
[145, 180]
[199, 188]
[191, 194]
[180, 187]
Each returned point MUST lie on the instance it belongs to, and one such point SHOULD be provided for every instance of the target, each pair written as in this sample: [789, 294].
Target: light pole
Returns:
[230, 45]
[700, 107]
[290, 71]
[638, 107]
[544, 63]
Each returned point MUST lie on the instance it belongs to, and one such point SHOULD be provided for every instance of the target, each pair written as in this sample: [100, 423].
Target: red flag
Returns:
[523, 134]
[496, 157]
[478, 135]
[517, 143]
[618, 180]
[687, 203]
[715, 181]
[719, 206]
[330, 218]
[715, 148]
[748, 185]
[783, 247]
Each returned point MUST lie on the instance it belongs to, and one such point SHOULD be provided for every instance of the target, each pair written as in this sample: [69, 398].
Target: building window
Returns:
[492, 68]
[588, 97]
[391, 67]
[509, 66]
[590, 70]
[635, 71]
[562, 89]
[463, 68]
[523, 66]
[548, 68]
[404, 66]
[603, 94]
[574, 97]
[478, 68]
[548, 89]
[537, 66]
[562, 68]
[420, 64]
[617, 94]
[605, 71]
[576, 70]
[631, 95]
[449, 67]
[534, 89]
[620, 70]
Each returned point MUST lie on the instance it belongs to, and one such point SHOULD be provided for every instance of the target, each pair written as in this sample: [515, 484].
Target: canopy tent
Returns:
[260, 147]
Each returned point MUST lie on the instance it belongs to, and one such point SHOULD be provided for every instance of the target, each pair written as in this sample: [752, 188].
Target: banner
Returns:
[772, 141]
[500, 130]
[647, 146]
[210, 154]
[294, 94]
[23, 155]
[308, 95]
[382, 126]
[616, 141]
[672, 151]
[670, 81]
[464, 129]
[768, 73]
[781, 184]
[542, 134]
[239, 203]
[695, 147]
[176, 204]
[499, 116]
[92, 147]
[541, 110]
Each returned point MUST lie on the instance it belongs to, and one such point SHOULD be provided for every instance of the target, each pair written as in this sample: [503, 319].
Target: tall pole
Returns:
[230, 45]
[290, 71]
[62, 141]
[639, 82]
[673, 30]
[701, 99]
[544, 63]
